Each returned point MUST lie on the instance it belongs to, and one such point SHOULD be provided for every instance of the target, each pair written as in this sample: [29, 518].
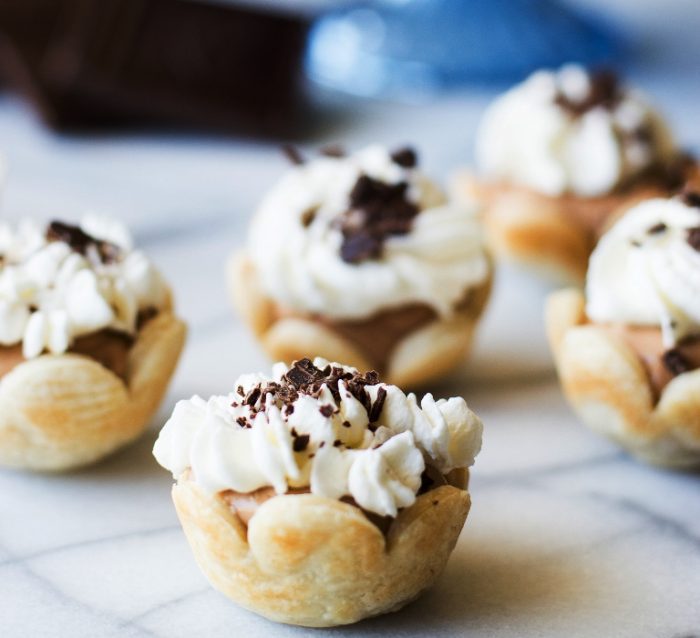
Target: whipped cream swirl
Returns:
[646, 270]
[320, 426]
[61, 282]
[570, 131]
[296, 242]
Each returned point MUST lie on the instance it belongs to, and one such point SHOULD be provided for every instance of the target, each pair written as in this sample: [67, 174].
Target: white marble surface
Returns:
[567, 536]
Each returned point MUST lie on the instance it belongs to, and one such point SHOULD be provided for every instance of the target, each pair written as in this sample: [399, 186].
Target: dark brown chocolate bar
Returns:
[225, 66]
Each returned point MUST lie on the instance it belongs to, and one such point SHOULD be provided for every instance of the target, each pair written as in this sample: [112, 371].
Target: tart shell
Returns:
[609, 388]
[64, 411]
[318, 562]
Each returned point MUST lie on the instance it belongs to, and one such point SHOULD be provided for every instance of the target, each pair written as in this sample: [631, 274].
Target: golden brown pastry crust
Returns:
[425, 354]
[541, 231]
[63, 411]
[607, 384]
[319, 562]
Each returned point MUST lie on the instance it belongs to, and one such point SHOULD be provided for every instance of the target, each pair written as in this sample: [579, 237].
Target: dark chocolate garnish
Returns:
[326, 410]
[332, 150]
[605, 90]
[377, 211]
[252, 397]
[303, 373]
[693, 237]
[308, 216]
[657, 228]
[301, 442]
[405, 157]
[675, 362]
[293, 154]
[691, 198]
[376, 410]
[305, 378]
[81, 242]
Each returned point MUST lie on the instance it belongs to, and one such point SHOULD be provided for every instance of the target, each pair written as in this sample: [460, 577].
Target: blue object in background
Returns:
[410, 48]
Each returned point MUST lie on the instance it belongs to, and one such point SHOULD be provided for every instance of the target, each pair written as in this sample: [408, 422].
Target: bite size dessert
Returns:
[628, 352]
[558, 158]
[88, 342]
[320, 496]
[359, 258]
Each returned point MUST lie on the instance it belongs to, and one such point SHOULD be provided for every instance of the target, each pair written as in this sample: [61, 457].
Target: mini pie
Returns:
[559, 157]
[360, 259]
[628, 353]
[320, 496]
[88, 342]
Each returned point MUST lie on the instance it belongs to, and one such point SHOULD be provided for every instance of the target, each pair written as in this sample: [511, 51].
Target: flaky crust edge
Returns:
[535, 230]
[59, 412]
[608, 387]
[426, 354]
[318, 562]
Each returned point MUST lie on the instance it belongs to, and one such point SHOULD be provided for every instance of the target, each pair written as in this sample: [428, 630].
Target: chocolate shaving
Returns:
[332, 150]
[293, 154]
[305, 378]
[376, 410]
[377, 211]
[691, 198]
[605, 91]
[337, 443]
[405, 157]
[693, 237]
[303, 373]
[308, 216]
[301, 442]
[675, 362]
[252, 397]
[83, 243]
[243, 422]
[657, 228]
[347, 424]
[326, 410]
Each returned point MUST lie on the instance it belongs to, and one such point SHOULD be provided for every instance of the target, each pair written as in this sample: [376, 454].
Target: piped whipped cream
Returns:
[402, 244]
[571, 131]
[59, 282]
[323, 426]
[646, 270]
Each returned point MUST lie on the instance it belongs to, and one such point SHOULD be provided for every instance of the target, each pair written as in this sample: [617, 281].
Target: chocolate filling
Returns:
[661, 365]
[245, 505]
[110, 348]
[377, 336]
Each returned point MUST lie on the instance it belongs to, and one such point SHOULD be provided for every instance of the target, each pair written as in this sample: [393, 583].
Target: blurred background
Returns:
[170, 113]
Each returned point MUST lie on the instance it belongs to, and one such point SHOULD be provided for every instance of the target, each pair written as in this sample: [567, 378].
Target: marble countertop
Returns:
[567, 536]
